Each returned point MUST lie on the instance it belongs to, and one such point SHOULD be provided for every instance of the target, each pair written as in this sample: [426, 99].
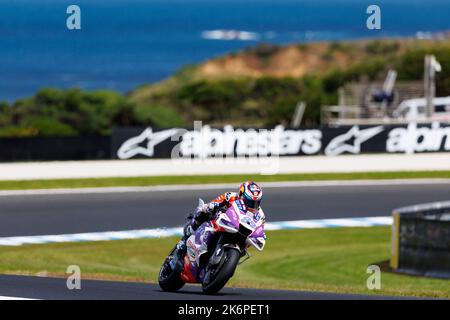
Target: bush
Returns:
[309, 90]
[49, 96]
[269, 88]
[340, 46]
[411, 67]
[44, 126]
[67, 112]
[276, 98]
[337, 77]
[220, 98]
[4, 106]
[333, 80]
[99, 108]
[157, 116]
[314, 96]
[15, 132]
[281, 111]
[263, 50]
[382, 47]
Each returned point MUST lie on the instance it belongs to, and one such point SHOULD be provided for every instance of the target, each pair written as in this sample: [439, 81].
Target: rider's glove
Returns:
[205, 212]
[188, 231]
[210, 208]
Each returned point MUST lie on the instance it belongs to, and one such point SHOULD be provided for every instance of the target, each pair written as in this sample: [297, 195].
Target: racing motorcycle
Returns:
[214, 250]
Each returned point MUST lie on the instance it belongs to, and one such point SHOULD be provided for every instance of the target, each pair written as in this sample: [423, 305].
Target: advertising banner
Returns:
[205, 141]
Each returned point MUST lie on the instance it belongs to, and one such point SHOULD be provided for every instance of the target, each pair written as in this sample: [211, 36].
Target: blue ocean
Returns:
[126, 43]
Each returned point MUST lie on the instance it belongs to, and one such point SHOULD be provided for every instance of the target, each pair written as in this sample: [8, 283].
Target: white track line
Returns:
[178, 187]
[169, 232]
[14, 298]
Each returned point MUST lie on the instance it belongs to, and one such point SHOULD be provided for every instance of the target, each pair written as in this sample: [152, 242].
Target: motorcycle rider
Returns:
[249, 192]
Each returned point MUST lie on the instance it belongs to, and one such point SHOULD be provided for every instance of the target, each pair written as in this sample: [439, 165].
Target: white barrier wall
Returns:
[284, 165]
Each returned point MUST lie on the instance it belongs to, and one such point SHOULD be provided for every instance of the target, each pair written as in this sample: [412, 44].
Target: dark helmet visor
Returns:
[252, 204]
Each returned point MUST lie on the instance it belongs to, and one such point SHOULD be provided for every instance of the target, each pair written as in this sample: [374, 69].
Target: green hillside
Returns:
[257, 87]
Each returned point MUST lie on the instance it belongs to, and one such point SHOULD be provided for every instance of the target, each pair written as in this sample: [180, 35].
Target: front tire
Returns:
[219, 277]
[170, 280]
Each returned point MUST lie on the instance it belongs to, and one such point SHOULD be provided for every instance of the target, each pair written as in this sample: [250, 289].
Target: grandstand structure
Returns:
[367, 102]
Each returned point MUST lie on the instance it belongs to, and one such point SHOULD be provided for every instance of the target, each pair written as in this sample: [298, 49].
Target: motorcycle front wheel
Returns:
[216, 278]
[169, 279]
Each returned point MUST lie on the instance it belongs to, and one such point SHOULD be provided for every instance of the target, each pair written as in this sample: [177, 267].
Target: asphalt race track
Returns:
[27, 215]
[55, 288]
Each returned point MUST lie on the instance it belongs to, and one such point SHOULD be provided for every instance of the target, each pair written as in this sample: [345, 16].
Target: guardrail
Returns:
[55, 148]
[421, 240]
[355, 115]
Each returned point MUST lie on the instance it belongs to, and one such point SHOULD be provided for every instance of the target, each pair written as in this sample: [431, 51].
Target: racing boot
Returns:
[202, 214]
[188, 230]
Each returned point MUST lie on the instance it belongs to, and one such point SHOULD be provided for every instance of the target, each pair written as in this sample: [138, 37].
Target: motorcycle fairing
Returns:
[229, 221]
[257, 239]
[197, 245]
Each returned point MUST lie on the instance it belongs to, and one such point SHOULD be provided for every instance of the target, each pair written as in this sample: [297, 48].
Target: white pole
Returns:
[298, 115]
[431, 67]
[428, 85]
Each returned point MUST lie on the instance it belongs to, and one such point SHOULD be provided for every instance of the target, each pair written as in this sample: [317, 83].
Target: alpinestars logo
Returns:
[351, 140]
[131, 147]
[208, 141]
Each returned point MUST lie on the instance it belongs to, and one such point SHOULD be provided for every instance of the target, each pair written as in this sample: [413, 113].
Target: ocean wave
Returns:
[223, 34]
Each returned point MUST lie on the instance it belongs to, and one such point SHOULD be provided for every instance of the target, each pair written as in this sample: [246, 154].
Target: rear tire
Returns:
[226, 271]
[170, 280]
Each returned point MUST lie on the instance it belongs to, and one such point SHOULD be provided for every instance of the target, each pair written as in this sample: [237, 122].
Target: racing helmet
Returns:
[251, 194]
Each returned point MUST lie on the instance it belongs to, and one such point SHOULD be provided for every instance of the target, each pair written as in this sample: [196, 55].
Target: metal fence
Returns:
[55, 148]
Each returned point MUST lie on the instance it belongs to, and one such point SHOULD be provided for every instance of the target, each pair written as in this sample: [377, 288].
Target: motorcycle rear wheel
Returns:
[168, 279]
[221, 276]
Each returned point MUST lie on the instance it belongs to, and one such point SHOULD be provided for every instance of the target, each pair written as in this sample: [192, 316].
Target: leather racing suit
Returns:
[208, 212]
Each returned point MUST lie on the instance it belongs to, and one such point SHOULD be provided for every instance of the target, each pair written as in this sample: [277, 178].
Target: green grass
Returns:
[333, 260]
[167, 180]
